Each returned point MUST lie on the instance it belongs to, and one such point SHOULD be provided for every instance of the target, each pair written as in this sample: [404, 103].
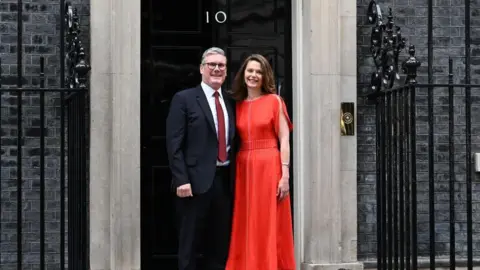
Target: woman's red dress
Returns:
[262, 235]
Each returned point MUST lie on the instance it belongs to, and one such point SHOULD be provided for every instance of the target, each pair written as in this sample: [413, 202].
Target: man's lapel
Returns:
[202, 101]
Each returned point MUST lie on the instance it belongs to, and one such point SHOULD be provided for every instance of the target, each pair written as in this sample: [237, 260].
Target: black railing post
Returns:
[63, 23]
[395, 172]
[431, 161]
[413, 175]
[401, 185]
[468, 135]
[379, 180]
[383, 184]
[389, 187]
[410, 66]
[451, 161]
[19, 134]
[42, 163]
[408, 134]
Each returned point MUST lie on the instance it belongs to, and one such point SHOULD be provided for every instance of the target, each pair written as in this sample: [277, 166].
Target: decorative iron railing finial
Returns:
[77, 66]
[410, 66]
[386, 44]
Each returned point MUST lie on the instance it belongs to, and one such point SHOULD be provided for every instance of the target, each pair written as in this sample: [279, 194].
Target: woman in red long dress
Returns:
[262, 236]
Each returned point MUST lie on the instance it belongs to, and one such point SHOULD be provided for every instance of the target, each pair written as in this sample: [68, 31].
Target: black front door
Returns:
[174, 35]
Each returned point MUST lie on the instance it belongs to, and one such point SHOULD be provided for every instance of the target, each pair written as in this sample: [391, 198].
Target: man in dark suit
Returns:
[200, 132]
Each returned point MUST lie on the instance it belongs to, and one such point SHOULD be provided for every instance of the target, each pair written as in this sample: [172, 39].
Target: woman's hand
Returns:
[283, 188]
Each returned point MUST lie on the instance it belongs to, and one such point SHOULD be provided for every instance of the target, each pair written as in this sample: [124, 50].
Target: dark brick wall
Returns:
[448, 41]
[40, 37]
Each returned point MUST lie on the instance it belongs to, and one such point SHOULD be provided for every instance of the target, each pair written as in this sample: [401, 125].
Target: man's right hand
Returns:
[184, 191]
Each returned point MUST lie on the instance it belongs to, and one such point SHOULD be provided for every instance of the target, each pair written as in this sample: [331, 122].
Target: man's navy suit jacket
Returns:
[191, 139]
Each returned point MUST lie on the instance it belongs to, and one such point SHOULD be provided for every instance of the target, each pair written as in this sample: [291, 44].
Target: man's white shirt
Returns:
[209, 94]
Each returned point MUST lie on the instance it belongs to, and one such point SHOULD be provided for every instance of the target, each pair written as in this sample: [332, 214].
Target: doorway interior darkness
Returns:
[174, 35]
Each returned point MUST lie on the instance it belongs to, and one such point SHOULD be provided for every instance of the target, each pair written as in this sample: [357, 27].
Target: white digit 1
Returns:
[208, 18]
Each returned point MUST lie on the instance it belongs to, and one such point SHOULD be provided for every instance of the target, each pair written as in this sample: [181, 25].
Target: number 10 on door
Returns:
[219, 17]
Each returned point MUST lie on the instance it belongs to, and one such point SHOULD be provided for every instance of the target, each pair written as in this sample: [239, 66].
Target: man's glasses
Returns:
[212, 66]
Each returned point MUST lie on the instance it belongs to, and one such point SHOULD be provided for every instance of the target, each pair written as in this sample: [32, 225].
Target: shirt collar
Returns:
[209, 90]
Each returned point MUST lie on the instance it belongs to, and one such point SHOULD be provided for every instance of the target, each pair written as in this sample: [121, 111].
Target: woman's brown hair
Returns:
[239, 88]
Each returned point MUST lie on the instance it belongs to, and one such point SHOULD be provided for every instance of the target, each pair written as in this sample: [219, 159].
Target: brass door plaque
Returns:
[347, 118]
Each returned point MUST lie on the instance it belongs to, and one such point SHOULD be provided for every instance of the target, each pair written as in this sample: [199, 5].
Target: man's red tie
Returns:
[222, 144]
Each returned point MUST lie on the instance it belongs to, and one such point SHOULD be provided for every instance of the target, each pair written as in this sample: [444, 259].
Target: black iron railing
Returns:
[43, 140]
[417, 166]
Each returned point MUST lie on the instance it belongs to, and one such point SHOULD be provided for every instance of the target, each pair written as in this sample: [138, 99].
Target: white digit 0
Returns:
[224, 17]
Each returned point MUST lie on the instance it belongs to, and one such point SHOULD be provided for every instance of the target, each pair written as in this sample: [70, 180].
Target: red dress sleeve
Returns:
[280, 107]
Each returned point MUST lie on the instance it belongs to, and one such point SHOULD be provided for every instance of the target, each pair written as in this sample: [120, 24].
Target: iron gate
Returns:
[411, 146]
[43, 141]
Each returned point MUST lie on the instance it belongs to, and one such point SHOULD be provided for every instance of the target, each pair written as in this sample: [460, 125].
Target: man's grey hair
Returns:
[210, 51]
